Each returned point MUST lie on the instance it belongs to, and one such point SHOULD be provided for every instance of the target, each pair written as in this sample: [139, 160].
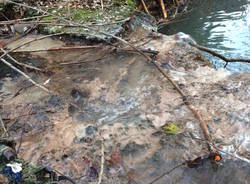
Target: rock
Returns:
[91, 130]
[84, 132]
[55, 102]
[72, 109]
[140, 19]
[133, 149]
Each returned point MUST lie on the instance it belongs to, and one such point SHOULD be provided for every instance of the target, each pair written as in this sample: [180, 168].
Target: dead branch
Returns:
[3, 126]
[167, 172]
[145, 7]
[102, 164]
[170, 21]
[102, 4]
[53, 23]
[28, 42]
[216, 54]
[25, 75]
[24, 19]
[58, 49]
[21, 64]
[80, 62]
[163, 8]
[26, 32]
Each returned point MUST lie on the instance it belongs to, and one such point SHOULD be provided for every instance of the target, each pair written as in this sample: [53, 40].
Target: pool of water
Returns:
[222, 25]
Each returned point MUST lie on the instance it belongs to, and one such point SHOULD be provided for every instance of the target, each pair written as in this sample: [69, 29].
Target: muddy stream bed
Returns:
[123, 98]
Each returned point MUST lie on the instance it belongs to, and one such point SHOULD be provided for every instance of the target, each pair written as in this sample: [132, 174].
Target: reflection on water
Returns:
[223, 25]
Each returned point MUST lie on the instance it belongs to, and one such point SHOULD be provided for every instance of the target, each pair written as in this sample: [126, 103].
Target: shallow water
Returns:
[222, 25]
[126, 99]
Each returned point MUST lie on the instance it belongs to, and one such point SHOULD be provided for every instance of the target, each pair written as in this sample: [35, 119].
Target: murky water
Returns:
[222, 25]
[127, 100]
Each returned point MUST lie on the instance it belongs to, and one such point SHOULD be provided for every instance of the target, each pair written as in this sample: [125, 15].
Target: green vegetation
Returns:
[170, 129]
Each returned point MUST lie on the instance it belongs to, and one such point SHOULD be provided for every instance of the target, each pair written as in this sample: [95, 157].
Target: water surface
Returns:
[222, 25]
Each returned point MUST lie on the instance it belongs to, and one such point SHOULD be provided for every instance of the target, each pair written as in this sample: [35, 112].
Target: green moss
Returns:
[131, 3]
[80, 14]
[170, 129]
[49, 18]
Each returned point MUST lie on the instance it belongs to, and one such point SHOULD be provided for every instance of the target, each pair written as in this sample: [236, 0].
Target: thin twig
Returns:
[23, 19]
[3, 126]
[53, 23]
[21, 64]
[167, 172]
[25, 75]
[20, 143]
[102, 4]
[216, 54]
[102, 164]
[26, 32]
[4, 16]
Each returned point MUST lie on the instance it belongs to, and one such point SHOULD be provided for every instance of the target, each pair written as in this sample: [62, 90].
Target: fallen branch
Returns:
[3, 126]
[28, 42]
[80, 62]
[102, 4]
[25, 32]
[58, 49]
[145, 7]
[18, 20]
[21, 64]
[163, 8]
[20, 90]
[171, 21]
[25, 75]
[53, 23]
[216, 54]
[167, 173]
[102, 164]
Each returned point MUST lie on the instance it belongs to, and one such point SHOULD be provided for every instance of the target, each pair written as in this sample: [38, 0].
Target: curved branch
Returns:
[216, 54]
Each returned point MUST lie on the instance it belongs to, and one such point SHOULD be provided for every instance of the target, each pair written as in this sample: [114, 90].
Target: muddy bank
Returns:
[118, 95]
